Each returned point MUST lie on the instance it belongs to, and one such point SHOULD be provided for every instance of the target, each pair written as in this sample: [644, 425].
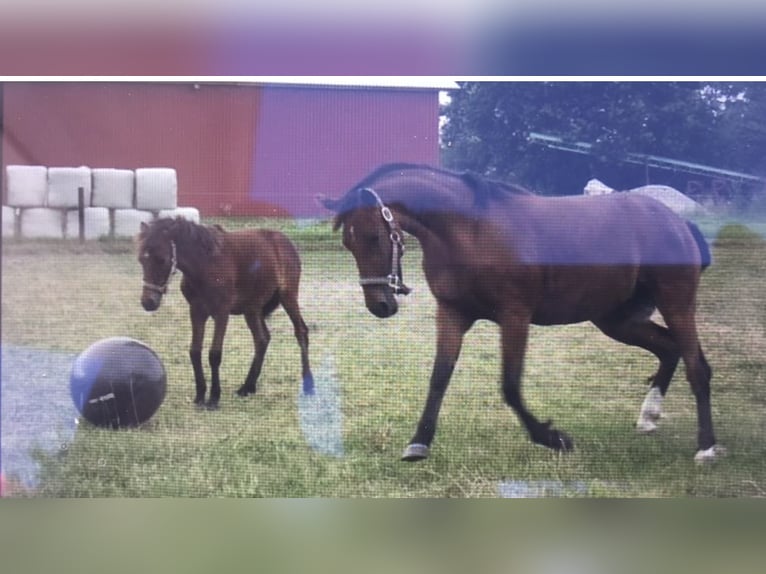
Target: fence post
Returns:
[81, 212]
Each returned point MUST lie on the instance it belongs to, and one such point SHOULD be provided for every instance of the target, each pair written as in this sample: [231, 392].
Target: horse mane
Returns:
[483, 189]
[206, 240]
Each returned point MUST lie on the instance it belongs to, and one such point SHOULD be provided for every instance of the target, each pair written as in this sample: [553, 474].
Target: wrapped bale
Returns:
[127, 222]
[96, 223]
[9, 221]
[156, 188]
[27, 185]
[188, 213]
[63, 183]
[113, 188]
[42, 222]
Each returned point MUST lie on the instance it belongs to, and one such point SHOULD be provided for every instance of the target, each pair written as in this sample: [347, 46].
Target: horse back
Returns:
[267, 254]
[612, 230]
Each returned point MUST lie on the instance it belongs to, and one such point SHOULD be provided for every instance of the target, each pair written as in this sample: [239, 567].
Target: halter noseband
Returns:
[162, 289]
[394, 279]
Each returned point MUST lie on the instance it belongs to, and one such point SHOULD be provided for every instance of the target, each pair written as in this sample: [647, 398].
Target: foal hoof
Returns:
[710, 455]
[211, 405]
[415, 452]
[244, 391]
[560, 441]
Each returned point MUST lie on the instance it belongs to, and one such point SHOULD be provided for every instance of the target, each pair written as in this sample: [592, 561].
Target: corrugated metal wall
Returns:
[237, 149]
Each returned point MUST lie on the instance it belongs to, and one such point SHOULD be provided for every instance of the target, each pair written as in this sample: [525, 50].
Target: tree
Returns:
[488, 125]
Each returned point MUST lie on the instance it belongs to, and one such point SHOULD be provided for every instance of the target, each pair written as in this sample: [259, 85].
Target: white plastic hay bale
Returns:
[156, 188]
[42, 222]
[63, 183]
[9, 221]
[96, 223]
[671, 197]
[27, 185]
[113, 188]
[596, 187]
[188, 213]
[127, 222]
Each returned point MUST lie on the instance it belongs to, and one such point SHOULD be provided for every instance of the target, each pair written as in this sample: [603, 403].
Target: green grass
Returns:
[64, 296]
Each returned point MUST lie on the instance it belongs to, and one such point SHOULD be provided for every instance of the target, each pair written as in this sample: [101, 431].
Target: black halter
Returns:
[394, 279]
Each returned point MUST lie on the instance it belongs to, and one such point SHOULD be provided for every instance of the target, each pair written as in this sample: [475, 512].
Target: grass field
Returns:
[61, 297]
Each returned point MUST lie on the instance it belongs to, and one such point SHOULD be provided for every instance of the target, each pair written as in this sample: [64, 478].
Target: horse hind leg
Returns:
[291, 306]
[679, 316]
[638, 331]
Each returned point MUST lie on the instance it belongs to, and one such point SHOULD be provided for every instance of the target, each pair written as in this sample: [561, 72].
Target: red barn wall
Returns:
[237, 149]
[205, 134]
[311, 140]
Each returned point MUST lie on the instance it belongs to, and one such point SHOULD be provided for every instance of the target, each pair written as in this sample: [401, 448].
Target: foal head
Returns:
[158, 258]
[374, 238]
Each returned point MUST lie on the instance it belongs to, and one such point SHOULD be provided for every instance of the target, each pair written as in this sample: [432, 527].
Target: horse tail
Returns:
[702, 244]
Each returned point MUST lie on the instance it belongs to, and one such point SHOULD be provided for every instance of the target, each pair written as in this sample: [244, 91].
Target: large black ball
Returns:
[118, 382]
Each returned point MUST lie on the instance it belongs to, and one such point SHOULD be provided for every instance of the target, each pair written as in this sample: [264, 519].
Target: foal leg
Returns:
[643, 333]
[290, 304]
[215, 356]
[451, 327]
[261, 338]
[198, 319]
[514, 332]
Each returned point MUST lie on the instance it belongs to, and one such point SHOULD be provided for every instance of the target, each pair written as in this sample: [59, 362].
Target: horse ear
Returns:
[144, 226]
[328, 203]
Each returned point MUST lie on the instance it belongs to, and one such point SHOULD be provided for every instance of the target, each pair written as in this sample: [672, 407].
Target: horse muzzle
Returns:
[151, 300]
[380, 302]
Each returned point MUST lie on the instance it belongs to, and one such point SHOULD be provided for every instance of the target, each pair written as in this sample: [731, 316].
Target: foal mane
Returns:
[483, 190]
[203, 240]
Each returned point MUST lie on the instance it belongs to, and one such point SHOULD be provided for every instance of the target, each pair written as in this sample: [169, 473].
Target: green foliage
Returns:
[717, 124]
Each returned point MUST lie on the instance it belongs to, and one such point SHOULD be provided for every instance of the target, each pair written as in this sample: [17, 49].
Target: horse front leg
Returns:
[451, 327]
[215, 357]
[198, 319]
[515, 331]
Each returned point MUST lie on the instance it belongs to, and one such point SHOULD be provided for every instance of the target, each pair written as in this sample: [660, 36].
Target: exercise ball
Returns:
[118, 382]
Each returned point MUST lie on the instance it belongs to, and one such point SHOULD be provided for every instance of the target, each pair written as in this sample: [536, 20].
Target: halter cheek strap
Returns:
[394, 279]
[162, 289]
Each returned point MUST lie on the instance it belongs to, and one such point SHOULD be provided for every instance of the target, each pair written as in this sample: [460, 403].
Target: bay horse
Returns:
[499, 252]
[248, 272]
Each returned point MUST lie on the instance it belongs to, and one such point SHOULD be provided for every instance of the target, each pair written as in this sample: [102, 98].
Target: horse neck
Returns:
[189, 254]
[419, 227]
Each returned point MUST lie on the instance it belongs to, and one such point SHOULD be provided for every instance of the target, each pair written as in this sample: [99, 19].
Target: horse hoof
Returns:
[308, 385]
[560, 441]
[415, 452]
[212, 405]
[243, 392]
[710, 455]
[644, 426]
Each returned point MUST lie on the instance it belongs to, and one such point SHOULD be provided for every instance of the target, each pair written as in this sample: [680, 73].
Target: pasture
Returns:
[372, 378]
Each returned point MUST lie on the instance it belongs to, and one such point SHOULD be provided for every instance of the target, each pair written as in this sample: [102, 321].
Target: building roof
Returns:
[556, 142]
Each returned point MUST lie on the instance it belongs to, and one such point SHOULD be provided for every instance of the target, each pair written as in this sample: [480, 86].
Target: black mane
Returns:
[484, 189]
[206, 239]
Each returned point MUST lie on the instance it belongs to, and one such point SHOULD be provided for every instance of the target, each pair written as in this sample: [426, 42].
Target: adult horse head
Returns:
[376, 240]
[498, 252]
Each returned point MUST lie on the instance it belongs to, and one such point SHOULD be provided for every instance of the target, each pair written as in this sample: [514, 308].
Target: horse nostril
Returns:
[149, 304]
[381, 309]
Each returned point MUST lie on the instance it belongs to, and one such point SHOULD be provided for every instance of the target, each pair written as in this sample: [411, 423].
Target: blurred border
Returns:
[482, 37]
